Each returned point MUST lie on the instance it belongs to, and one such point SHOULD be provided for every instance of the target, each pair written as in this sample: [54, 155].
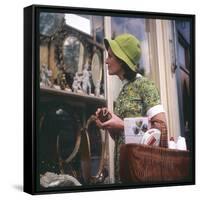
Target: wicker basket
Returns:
[144, 164]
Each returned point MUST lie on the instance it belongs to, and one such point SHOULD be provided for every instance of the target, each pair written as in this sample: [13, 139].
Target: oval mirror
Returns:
[73, 51]
[96, 67]
[93, 152]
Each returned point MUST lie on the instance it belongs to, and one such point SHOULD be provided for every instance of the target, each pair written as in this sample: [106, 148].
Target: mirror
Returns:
[95, 152]
[96, 68]
[73, 51]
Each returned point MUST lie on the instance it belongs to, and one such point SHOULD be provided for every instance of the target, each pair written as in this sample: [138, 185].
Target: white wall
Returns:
[11, 87]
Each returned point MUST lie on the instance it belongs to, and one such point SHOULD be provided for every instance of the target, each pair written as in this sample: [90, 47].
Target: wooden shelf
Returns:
[47, 94]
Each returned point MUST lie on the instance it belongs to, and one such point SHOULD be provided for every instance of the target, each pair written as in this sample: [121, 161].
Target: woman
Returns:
[138, 96]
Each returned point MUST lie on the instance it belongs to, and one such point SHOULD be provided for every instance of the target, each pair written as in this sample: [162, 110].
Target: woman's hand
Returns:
[115, 124]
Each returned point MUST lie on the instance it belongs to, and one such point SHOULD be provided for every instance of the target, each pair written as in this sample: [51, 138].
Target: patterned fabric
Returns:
[134, 100]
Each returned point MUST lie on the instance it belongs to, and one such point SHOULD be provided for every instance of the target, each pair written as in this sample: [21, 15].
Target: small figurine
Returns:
[63, 83]
[97, 88]
[86, 85]
[76, 86]
[62, 80]
[45, 75]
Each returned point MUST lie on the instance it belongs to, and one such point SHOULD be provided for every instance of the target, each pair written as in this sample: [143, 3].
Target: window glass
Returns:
[181, 55]
[137, 27]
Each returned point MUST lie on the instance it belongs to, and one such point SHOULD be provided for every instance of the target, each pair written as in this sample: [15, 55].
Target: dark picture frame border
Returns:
[31, 93]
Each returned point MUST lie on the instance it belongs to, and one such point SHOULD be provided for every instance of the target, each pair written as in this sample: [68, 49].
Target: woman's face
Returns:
[114, 66]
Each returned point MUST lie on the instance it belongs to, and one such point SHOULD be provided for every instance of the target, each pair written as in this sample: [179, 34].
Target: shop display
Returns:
[67, 80]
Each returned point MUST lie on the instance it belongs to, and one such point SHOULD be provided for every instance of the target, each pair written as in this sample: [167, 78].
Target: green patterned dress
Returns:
[134, 100]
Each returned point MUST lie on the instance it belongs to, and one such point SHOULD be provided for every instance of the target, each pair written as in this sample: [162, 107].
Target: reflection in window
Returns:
[78, 22]
[98, 31]
[181, 55]
[50, 23]
[135, 26]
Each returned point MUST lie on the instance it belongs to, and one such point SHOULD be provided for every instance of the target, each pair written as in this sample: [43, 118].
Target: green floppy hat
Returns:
[127, 48]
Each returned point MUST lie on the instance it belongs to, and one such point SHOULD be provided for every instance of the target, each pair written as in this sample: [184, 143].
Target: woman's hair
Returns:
[129, 74]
